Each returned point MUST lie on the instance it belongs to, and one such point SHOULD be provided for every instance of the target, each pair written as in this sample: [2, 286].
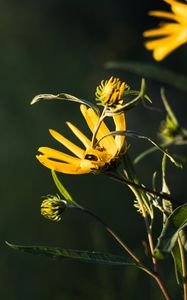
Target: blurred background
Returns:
[62, 46]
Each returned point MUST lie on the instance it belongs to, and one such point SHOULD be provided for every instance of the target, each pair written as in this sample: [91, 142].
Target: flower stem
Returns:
[143, 202]
[162, 287]
[141, 187]
[111, 231]
[127, 249]
[183, 263]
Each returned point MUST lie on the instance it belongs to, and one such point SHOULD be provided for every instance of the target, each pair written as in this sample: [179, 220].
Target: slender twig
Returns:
[111, 231]
[162, 287]
[141, 187]
[183, 263]
[132, 179]
[126, 248]
[151, 245]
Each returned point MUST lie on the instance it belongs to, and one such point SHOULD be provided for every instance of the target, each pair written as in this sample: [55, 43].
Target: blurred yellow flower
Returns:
[170, 35]
[91, 158]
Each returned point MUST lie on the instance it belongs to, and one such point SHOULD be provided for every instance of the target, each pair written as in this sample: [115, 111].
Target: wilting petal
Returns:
[62, 167]
[69, 145]
[59, 156]
[86, 142]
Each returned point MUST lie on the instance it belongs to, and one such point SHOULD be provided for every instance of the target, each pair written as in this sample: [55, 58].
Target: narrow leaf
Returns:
[63, 96]
[170, 232]
[75, 255]
[152, 71]
[167, 205]
[61, 188]
[177, 263]
[168, 109]
[135, 134]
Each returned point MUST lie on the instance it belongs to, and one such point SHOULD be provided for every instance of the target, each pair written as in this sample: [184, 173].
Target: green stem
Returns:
[111, 231]
[143, 188]
[127, 249]
[183, 263]
[145, 210]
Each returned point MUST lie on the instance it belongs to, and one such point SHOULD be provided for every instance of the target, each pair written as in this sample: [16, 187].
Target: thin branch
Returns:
[143, 188]
[183, 263]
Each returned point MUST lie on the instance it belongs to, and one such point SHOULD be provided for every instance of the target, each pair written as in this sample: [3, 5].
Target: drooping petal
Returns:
[86, 142]
[92, 119]
[120, 124]
[69, 145]
[62, 167]
[58, 155]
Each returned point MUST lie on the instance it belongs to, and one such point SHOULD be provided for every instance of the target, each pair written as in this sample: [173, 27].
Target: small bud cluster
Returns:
[168, 130]
[110, 92]
[53, 207]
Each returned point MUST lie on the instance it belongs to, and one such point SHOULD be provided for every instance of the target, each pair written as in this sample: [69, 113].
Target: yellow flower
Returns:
[111, 92]
[91, 158]
[170, 35]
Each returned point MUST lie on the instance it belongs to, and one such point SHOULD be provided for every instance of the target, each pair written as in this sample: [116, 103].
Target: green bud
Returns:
[53, 207]
[168, 130]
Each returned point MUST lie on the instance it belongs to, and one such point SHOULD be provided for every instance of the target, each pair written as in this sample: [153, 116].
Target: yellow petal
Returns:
[55, 154]
[157, 43]
[178, 8]
[165, 15]
[62, 167]
[86, 142]
[169, 45]
[166, 29]
[92, 119]
[69, 145]
[120, 124]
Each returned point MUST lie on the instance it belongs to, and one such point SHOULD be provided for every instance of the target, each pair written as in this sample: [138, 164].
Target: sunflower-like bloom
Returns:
[111, 92]
[170, 35]
[90, 159]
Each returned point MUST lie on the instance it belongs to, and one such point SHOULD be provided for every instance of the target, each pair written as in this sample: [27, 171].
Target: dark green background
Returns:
[61, 46]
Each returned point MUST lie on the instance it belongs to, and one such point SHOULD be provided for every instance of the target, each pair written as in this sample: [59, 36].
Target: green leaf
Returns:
[63, 96]
[177, 263]
[61, 188]
[168, 109]
[167, 205]
[177, 257]
[75, 255]
[152, 71]
[135, 134]
[170, 232]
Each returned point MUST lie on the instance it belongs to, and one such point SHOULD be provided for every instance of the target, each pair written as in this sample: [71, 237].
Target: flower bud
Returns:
[52, 208]
[110, 92]
[168, 130]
